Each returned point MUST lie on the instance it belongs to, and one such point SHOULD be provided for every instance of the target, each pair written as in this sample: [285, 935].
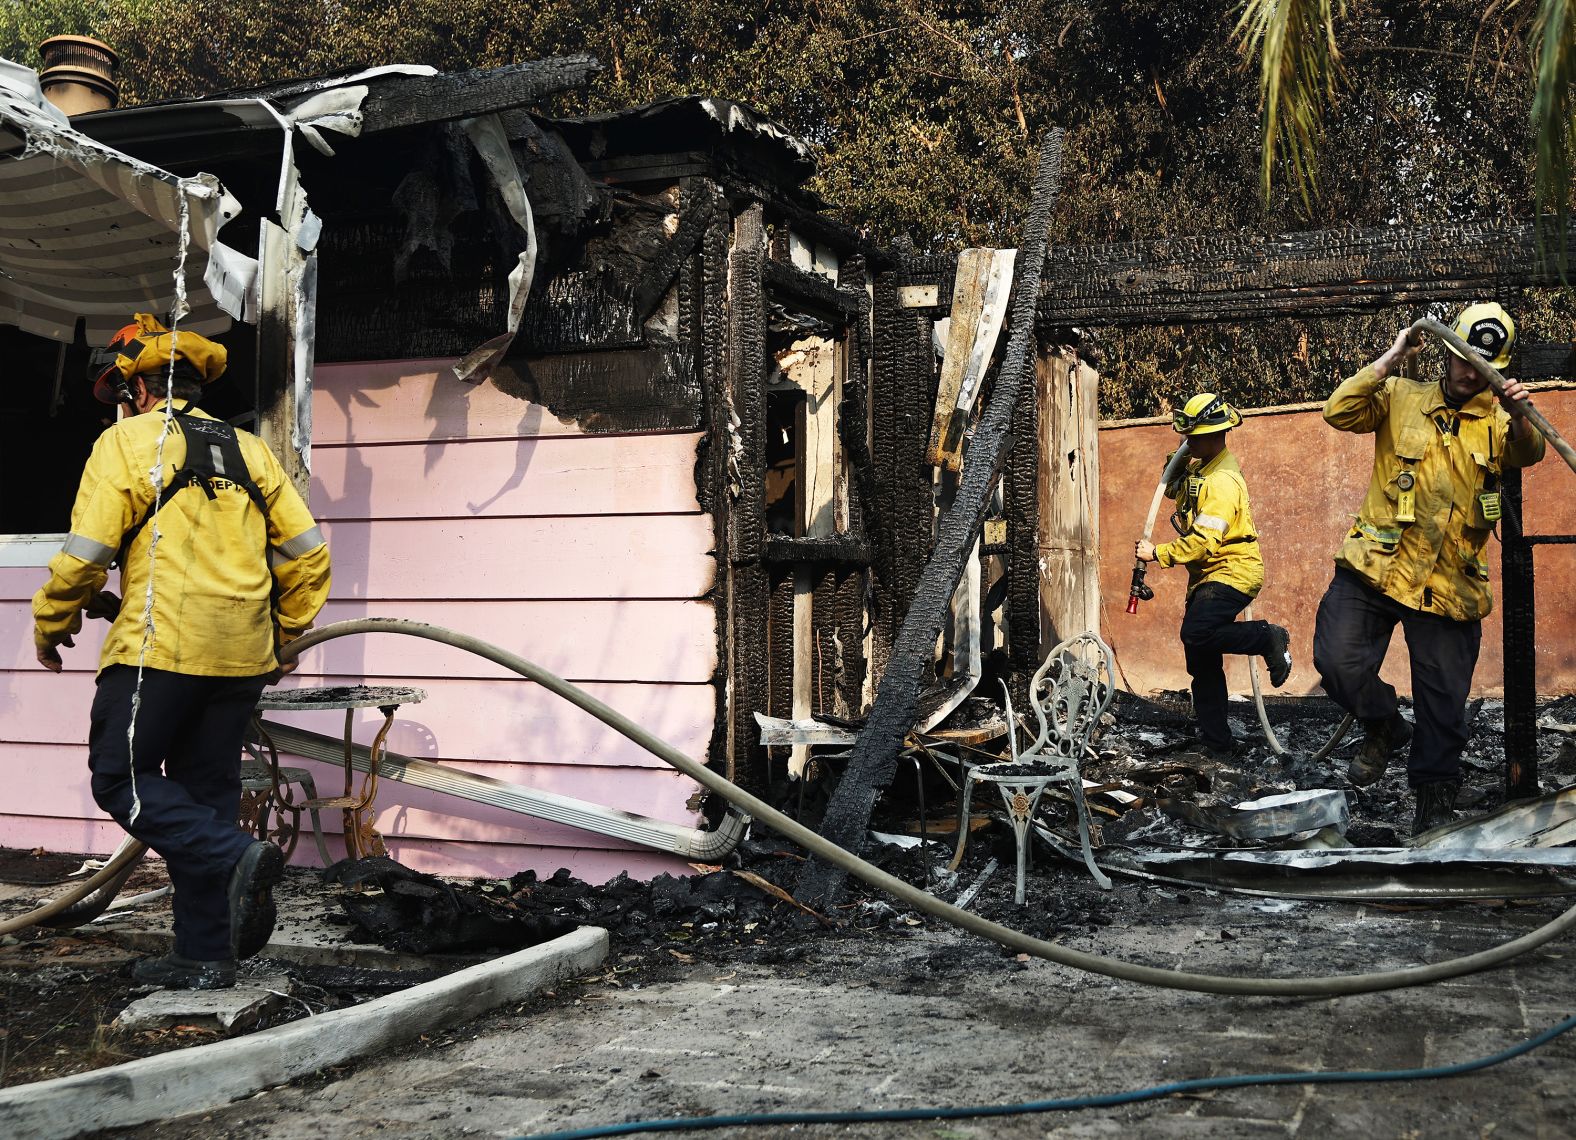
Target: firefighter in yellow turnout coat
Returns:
[199, 656]
[1220, 548]
[1415, 553]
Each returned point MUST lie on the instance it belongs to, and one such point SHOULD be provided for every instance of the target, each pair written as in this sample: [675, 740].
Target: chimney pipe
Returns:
[78, 74]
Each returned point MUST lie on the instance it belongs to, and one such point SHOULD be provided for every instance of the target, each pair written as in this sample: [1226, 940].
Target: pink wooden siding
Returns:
[465, 508]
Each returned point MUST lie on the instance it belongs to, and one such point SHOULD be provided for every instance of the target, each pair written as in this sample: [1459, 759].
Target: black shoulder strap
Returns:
[212, 452]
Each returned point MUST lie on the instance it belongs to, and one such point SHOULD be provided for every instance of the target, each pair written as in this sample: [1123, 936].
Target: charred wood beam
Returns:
[786, 280]
[903, 378]
[703, 304]
[1224, 277]
[408, 101]
[853, 417]
[842, 549]
[738, 429]
[694, 220]
[874, 758]
[746, 380]
[1520, 626]
[1022, 487]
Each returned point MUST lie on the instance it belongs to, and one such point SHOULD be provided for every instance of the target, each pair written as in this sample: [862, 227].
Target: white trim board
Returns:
[29, 549]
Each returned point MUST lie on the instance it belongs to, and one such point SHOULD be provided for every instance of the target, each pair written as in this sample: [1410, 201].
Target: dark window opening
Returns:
[784, 432]
[51, 421]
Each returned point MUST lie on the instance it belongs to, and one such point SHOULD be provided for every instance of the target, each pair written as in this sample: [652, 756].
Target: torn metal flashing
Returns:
[1269, 817]
[1352, 874]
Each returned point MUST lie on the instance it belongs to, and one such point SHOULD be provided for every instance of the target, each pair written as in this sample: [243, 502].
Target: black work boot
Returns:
[1278, 656]
[1436, 804]
[176, 973]
[1382, 741]
[252, 911]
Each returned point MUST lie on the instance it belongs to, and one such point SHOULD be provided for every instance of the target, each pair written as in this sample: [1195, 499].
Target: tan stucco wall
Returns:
[1306, 480]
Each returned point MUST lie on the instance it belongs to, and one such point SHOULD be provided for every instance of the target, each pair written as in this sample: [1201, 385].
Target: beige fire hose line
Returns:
[104, 885]
[1495, 381]
[1330, 986]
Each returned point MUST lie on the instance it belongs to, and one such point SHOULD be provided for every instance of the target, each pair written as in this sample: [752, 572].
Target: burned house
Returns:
[686, 469]
[611, 392]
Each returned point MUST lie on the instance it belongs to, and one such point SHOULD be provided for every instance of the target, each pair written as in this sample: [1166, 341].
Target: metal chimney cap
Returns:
[87, 46]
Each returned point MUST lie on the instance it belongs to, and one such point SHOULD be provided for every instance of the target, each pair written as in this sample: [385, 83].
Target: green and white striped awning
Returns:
[87, 231]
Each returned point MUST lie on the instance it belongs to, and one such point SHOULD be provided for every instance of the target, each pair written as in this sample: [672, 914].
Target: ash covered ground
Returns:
[59, 990]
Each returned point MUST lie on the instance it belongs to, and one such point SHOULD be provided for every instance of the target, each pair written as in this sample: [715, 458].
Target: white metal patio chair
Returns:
[1069, 693]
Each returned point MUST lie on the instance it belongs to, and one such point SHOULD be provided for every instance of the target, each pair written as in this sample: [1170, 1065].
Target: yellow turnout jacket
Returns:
[218, 611]
[1218, 542]
[1423, 545]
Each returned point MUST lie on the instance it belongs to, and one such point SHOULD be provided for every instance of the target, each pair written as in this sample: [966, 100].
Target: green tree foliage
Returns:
[925, 112]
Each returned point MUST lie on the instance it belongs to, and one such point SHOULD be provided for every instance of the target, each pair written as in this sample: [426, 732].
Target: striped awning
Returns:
[87, 231]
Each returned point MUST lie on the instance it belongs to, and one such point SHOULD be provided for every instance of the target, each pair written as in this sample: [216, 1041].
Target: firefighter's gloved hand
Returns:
[1144, 550]
[104, 604]
[285, 668]
[49, 655]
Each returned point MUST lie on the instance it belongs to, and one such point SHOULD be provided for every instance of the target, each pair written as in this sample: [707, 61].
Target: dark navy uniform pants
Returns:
[1210, 629]
[188, 782]
[1350, 638]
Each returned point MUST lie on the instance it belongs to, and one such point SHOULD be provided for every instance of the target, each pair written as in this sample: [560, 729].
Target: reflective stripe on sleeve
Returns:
[303, 543]
[87, 549]
[1212, 522]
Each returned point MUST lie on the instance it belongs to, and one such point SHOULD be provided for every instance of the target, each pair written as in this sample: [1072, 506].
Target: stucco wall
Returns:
[1306, 481]
[463, 507]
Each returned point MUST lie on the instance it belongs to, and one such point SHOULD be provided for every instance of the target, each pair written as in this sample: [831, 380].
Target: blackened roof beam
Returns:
[1240, 276]
[406, 101]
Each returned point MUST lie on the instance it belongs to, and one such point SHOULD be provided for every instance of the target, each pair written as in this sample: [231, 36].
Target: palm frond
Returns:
[1553, 46]
[1299, 76]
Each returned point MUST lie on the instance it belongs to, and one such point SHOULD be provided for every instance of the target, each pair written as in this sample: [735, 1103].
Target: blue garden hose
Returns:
[1106, 1100]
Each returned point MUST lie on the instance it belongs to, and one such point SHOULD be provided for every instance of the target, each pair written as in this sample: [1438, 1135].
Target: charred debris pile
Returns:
[1149, 793]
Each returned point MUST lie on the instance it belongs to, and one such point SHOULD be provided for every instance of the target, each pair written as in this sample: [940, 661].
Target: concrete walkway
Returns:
[936, 1018]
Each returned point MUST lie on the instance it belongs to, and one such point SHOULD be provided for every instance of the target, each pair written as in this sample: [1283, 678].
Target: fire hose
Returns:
[1328, 986]
[89, 898]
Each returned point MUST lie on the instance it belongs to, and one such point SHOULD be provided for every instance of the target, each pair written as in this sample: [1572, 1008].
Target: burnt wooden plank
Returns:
[780, 643]
[786, 280]
[843, 549]
[1238, 276]
[903, 391]
[747, 380]
[1021, 486]
[752, 661]
[702, 329]
[887, 326]
[849, 642]
[874, 758]
[409, 100]
[853, 417]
